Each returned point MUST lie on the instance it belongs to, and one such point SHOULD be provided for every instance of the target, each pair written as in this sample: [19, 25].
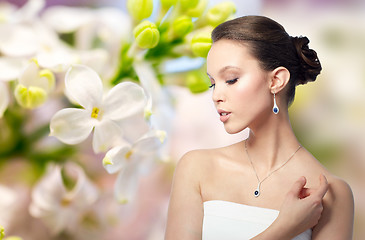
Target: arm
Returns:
[337, 217]
[300, 211]
[185, 213]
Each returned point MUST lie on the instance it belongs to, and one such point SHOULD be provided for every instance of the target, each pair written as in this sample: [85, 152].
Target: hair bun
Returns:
[309, 62]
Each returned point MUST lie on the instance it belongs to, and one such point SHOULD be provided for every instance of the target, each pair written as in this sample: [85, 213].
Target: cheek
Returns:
[249, 89]
[252, 94]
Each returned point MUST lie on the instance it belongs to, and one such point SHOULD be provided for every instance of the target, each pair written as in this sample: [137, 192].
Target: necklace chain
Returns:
[257, 191]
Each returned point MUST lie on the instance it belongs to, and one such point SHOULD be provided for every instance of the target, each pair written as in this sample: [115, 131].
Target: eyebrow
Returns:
[224, 69]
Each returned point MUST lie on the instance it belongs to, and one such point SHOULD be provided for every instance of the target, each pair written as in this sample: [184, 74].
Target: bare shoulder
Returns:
[185, 215]
[203, 157]
[339, 198]
[194, 159]
[191, 163]
[337, 218]
[338, 203]
[339, 189]
[196, 156]
[198, 163]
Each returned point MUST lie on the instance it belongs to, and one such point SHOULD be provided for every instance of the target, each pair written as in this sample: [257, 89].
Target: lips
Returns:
[224, 115]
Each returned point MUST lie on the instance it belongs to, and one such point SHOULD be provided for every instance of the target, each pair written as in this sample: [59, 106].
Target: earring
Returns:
[275, 109]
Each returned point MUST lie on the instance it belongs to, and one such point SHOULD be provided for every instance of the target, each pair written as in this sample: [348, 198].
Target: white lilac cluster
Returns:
[74, 74]
[33, 63]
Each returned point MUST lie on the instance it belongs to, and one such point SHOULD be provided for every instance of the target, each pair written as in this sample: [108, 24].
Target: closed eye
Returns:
[232, 81]
[212, 86]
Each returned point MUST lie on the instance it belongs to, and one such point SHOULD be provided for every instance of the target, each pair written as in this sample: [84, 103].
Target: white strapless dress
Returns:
[225, 220]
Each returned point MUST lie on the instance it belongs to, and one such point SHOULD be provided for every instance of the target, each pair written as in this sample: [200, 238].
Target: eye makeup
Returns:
[232, 81]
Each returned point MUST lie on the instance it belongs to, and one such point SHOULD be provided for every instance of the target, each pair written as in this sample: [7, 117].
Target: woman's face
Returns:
[241, 89]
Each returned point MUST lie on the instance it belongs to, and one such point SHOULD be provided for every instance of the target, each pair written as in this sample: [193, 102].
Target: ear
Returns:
[279, 79]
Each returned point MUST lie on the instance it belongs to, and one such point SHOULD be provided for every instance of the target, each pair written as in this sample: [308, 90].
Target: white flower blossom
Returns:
[17, 37]
[29, 11]
[7, 11]
[161, 102]
[34, 85]
[98, 34]
[131, 161]
[11, 68]
[53, 53]
[100, 112]
[23, 35]
[60, 208]
[104, 23]
[18, 40]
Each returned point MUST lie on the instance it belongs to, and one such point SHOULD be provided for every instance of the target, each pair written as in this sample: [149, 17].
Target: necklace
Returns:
[257, 191]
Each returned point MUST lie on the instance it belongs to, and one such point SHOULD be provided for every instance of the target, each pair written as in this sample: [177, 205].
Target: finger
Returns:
[298, 186]
[305, 192]
[323, 186]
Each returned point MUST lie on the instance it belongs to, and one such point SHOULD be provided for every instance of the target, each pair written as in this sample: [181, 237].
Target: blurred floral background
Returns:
[100, 98]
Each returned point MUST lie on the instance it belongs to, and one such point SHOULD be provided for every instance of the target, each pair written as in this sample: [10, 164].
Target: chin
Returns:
[233, 130]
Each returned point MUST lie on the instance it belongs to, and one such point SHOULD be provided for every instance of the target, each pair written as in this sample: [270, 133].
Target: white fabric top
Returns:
[225, 220]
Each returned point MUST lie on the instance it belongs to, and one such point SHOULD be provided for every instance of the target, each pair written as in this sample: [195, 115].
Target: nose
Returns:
[217, 95]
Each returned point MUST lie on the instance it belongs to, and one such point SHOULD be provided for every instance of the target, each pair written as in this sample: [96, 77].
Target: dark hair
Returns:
[273, 47]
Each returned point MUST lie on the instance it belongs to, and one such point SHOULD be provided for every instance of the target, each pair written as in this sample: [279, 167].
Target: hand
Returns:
[302, 207]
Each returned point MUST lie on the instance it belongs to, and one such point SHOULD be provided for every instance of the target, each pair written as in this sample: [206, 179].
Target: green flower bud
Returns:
[140, 9]
[146, 34]
[201, 43]
[166, 4]
[197, 82]
[188, 4]
[30, 98]
[198, 10]
[220, 13]
[182, 26]
[1, 232]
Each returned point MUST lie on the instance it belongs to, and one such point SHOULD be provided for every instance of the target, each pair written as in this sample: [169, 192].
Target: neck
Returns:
[271, 143]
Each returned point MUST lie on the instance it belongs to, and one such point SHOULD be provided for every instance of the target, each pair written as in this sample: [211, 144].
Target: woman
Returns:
[236, 192]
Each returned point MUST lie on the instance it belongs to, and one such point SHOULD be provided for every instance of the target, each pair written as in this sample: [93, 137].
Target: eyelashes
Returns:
[230, 82]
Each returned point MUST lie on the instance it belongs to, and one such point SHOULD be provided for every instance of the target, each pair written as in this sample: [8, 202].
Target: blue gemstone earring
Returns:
[275, 109]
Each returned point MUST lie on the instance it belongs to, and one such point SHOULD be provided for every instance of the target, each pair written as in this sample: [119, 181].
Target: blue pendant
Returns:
[256, 193]
[275, 109]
